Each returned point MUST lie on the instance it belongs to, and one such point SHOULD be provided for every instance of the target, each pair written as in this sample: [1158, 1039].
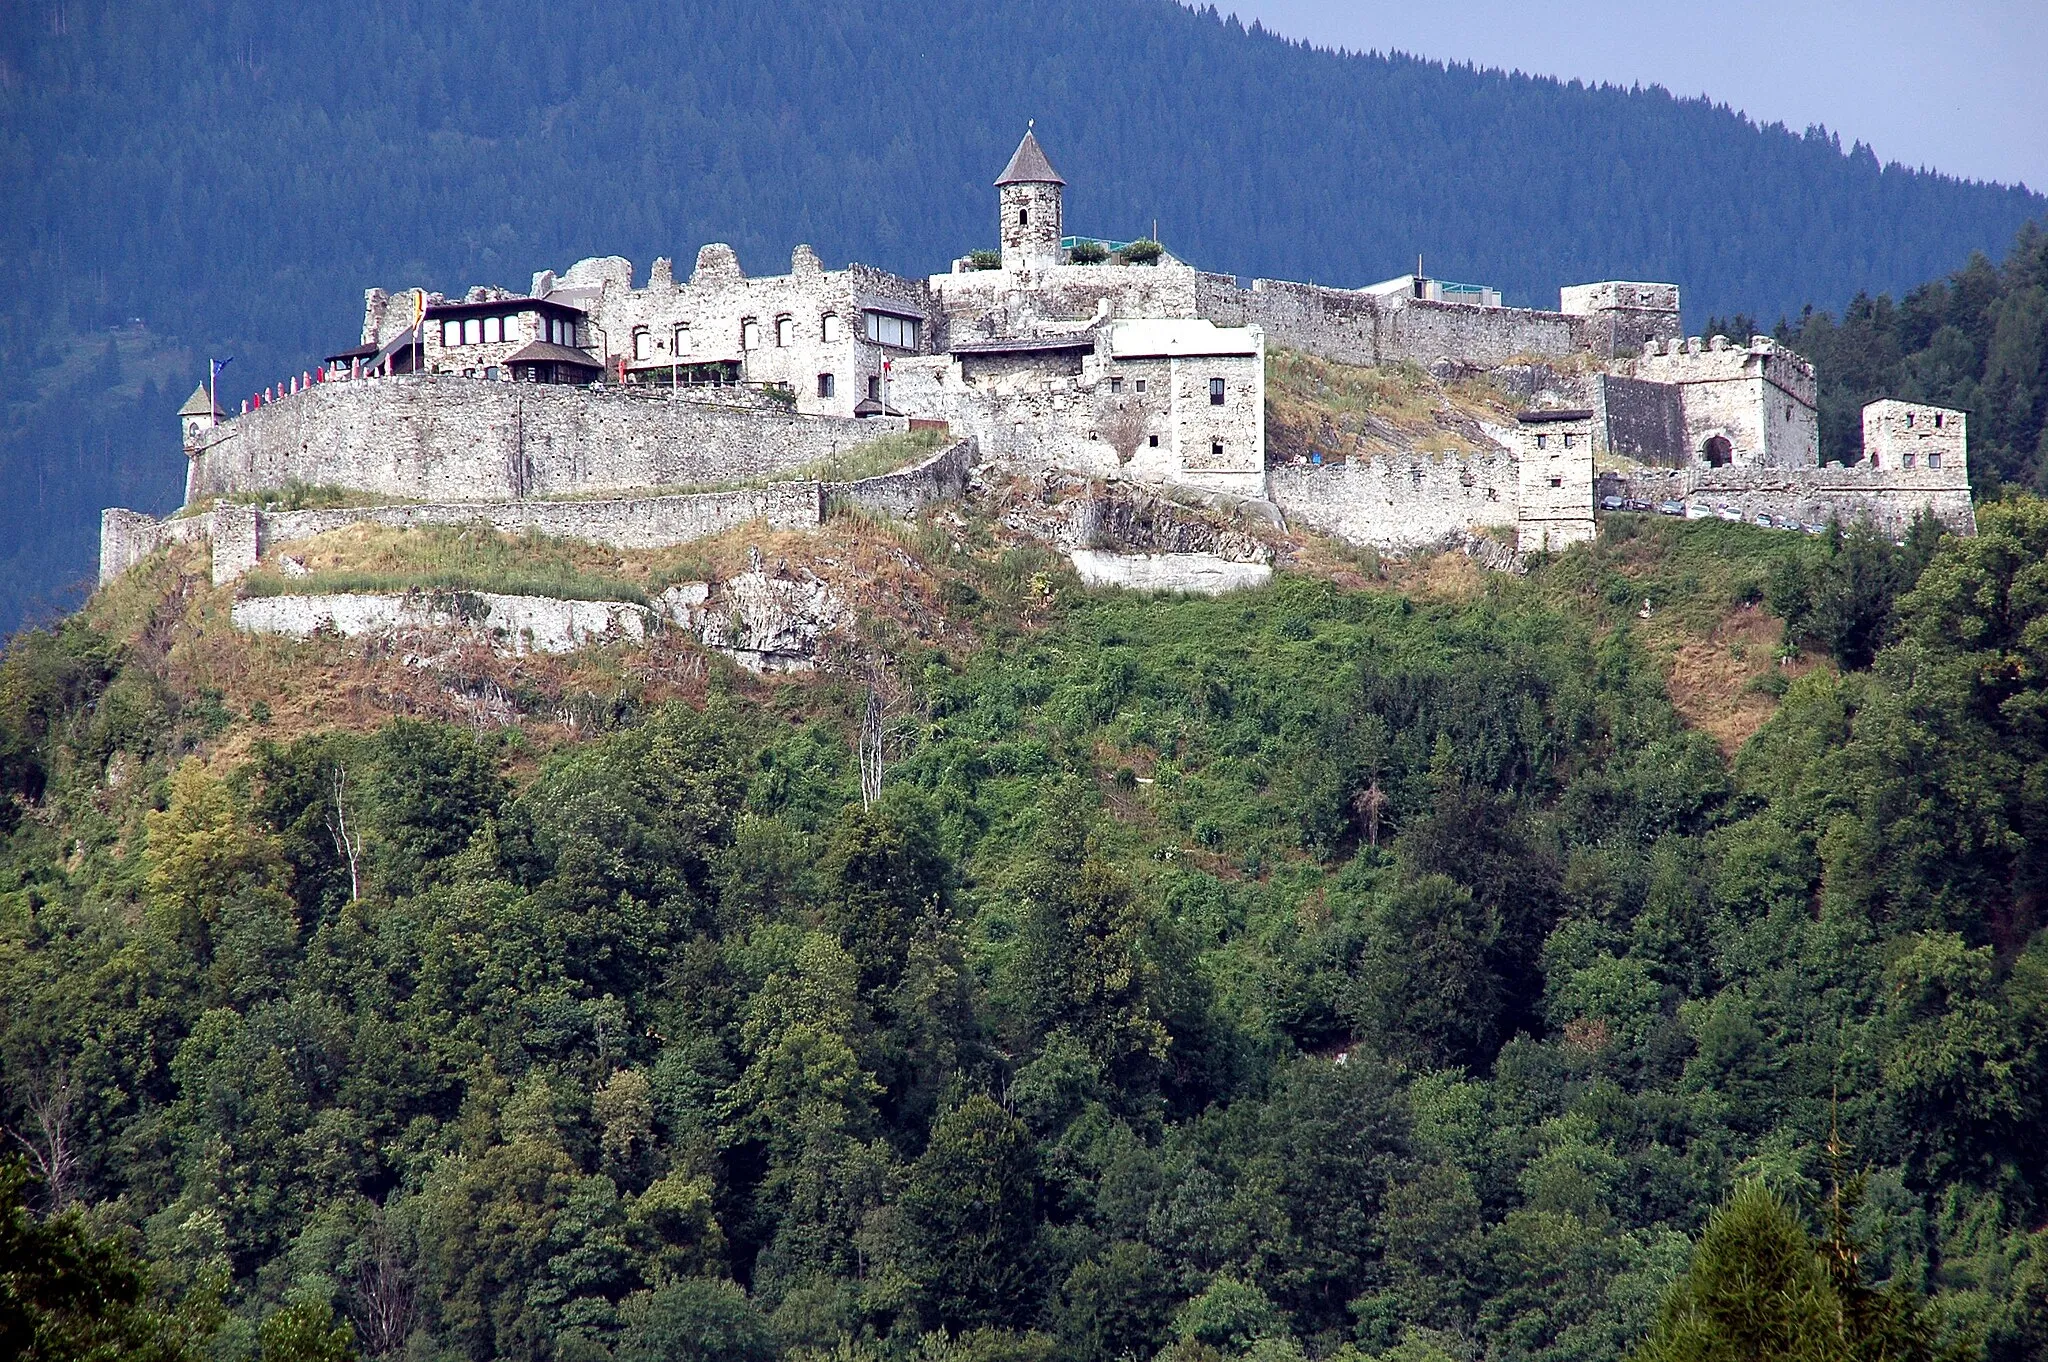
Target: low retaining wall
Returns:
[240, 535]
[1888, 499]
[518, 624]
[1186, 574]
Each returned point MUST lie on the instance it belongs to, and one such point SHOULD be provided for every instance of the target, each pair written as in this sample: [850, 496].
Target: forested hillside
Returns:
[1329, 972]
[226, 177]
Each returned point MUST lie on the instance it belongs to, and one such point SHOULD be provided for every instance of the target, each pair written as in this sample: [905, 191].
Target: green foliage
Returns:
[1086, 252]
[664, 1042]
[1143, 251]
[69, 1294]
[985, 259]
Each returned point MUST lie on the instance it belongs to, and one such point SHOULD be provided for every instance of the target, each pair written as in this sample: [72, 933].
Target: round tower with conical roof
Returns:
[1029, 192]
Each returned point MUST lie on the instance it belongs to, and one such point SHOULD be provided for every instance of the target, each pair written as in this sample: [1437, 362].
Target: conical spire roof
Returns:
[1028, 165]
[198, 404]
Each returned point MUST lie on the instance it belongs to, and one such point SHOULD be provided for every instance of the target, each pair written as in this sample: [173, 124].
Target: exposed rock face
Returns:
[763, 621]
[1198, 574]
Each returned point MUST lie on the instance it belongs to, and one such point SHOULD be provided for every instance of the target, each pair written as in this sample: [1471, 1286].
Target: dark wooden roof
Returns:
[546, 352]
[1536, 418]
[1028, 164]
[492, 307]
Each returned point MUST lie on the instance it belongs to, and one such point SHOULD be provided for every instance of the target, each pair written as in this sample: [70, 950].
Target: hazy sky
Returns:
[1955, 85]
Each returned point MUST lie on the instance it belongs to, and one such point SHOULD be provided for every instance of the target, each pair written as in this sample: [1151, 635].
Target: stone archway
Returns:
[1717, 452]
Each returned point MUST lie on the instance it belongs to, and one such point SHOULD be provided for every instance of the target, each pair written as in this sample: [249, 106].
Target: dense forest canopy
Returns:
[1312, 974]
[225, 178]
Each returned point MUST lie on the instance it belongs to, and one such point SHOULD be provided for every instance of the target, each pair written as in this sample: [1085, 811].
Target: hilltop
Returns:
[261, 165]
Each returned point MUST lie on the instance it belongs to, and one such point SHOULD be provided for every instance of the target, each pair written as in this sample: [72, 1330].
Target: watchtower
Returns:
[196, 417]
[1029, 192]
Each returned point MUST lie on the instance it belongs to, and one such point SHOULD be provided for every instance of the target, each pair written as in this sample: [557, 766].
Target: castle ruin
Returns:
[1107, 359]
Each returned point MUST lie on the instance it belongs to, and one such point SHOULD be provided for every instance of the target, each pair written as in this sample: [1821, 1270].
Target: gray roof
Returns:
[1024, 345]
[198, 404]
[1548, 414]
[1028, 165]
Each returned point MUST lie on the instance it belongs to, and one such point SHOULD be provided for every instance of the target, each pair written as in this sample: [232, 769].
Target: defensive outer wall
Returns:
[1890, 499]
[241, 535]
[440, 437]
[1400, 502]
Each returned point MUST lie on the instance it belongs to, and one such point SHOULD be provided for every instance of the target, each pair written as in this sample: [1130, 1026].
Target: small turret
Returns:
[1029, 192]
[196, 417]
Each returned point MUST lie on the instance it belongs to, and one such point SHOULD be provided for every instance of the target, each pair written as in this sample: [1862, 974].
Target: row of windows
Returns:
[1570, 441]
[492, 330]
[882, 327]
[1216, 390]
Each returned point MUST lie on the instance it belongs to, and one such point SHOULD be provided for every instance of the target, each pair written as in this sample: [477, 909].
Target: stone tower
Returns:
[1029, 190]
[196, 417]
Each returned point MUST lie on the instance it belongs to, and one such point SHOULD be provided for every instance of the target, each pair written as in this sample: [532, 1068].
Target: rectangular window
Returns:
[1141, 385]
[885, 328]
[1909, 461]
[1934, 460]
[1568, 438]
[473, 331]
[451, 333]
[874, 387]
[512, 328]
[1557, 482]
[750, 334]
[1216, 449]
[1152, 441]
[829, 327]
[493, 330]
[1215, 392]
[825, 385]
[643, 344]
[682, 341]
[1542, 441]
[785, 331]
[1116, 385]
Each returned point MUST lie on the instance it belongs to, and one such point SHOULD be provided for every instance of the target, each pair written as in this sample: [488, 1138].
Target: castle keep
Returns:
[1109, 360]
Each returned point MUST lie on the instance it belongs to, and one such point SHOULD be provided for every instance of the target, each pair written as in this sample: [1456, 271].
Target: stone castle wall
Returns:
[1888, 499]
[443, 437]
[1354, 327]
[1400, 503]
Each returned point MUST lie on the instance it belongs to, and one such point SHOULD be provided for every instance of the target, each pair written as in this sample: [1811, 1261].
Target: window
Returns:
[1909, 461]
[512, 328]
[1543, 442]
[1141, 385]
[494, 330]
[874, 387]
[1152, 442]
[1557, 482]
[1568, 438]
[1216, 449]
[643, 344]
[491, 373]
[1215, 392]
[1023, 217]
[1937, 420]
[785, 331]
[473, 331]
[451, 333]
[1116, 385]
[825, 385]
[750, 334]
[1934, 460]
[829, 328]
[1909, 420]
[681, 344]
[886, 328]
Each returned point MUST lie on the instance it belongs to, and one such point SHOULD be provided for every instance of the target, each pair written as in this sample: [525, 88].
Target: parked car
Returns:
[1670, 508]
[1635, 505]
[1765, 520]
[1610, 503]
